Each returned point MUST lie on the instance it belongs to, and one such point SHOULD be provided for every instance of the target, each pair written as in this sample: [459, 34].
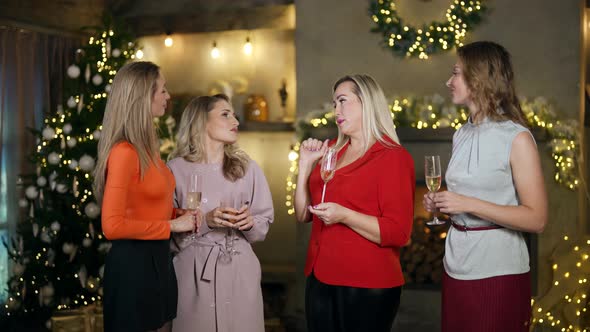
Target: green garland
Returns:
[438, 36]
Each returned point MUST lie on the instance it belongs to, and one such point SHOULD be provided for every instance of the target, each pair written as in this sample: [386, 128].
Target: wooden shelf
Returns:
[266, 126]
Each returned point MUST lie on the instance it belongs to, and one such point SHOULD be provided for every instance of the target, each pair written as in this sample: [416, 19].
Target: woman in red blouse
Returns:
[354, 274]
[137, 191]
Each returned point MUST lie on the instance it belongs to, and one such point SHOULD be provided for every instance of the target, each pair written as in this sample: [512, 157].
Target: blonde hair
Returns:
[190, 140]
[487, 70]
[128, 117]
[377, 121]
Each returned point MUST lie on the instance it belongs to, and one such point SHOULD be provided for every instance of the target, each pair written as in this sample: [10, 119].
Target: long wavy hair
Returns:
[487, 70]
[128, 117]
[377, 120]
[191, 137]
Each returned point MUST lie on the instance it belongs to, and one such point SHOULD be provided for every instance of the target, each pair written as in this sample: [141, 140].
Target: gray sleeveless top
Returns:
[480, 168]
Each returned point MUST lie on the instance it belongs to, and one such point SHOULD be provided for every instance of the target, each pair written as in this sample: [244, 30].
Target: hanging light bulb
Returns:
[139, 54]
[215, 54]
[248, 47]
[168, 41]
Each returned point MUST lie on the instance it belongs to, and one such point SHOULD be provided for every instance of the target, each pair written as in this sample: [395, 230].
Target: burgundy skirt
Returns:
[496, 304]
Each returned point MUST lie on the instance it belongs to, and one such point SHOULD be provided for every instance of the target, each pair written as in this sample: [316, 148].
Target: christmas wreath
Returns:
[439, 36]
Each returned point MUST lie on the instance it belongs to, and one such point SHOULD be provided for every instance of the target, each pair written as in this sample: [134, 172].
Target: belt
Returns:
[479, 228]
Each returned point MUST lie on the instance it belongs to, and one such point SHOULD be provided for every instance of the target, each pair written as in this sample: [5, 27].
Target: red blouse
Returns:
[381, 183]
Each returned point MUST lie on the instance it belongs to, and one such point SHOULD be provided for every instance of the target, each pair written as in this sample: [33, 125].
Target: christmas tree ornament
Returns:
[87, 73]
[108, 47]
[47, 291]
[86, 163]
[60, 109]
[87, 242]
[50, 256]
[71, 142]
[116, 53]
[73, 164]
[31, 192]
[73, 71]
[45, 237]
[48, 133]
[96, 134]
[41, 198]
[68, 248]
[80, 104]
[92, 210]
[97, 80]
[75, 187]
[18, 269]
[107, 88]
[41, 181]
[32, 212]
[71, 102]
[104, 247]
[83, 275]
[55, 226]
[21, 245]
[67, 128]
[62, 144]
[61, 188]
[91, 229]
[35, 229]
[53, 158]
[23, 203]
[101, 272]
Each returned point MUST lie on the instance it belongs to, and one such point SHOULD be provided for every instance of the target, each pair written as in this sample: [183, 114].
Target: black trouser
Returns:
[349, 309]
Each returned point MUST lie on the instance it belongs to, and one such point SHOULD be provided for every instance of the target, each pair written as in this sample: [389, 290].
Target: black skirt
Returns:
[140, 290]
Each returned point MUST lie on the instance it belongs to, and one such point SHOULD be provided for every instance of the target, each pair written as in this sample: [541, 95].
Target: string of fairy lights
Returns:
[433, 112]
[408, 41]
[566, 302]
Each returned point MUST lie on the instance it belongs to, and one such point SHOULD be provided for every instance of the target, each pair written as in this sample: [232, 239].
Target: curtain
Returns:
[32, 70]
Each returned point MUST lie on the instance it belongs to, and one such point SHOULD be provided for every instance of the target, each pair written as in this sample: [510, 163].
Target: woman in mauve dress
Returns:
[219, 291]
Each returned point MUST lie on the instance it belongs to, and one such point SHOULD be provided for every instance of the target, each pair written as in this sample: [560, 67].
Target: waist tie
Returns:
[208, 270]
[479, 228]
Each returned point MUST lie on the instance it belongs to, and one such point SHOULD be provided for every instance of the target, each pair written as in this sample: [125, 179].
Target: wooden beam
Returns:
[64, 17]
[267, 17]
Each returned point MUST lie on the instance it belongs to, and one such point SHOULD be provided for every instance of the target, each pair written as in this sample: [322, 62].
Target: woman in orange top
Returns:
[136, 189]
[354, 274]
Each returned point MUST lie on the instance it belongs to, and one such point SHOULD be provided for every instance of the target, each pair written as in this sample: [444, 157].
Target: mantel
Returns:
[426, 135]
[266, 126]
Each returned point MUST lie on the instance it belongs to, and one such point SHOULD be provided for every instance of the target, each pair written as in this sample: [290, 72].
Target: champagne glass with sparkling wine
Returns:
[193, 196]
[432, 173]
[234, 201]
[328, 168]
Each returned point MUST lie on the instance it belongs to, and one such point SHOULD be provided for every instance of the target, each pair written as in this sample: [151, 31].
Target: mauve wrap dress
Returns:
[215, 295]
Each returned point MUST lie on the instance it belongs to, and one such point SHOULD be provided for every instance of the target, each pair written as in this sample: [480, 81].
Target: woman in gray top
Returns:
[218, 291]
[495, 191]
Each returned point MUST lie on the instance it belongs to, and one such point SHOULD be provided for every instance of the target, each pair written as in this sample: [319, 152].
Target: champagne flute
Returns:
[432, 173]
[234, 200]
[193, 197]
[328, 168]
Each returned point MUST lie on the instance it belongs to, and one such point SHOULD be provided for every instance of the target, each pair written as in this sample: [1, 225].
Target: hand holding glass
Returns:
[328, 168]
[432, 173]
